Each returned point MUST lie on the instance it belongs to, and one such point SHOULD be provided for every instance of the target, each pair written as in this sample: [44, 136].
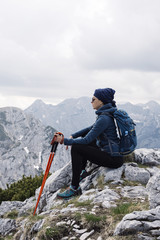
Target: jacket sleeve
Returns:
[100, 125]
[82, 132]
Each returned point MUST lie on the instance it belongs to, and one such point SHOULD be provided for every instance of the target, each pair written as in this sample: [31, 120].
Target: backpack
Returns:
[126, 131]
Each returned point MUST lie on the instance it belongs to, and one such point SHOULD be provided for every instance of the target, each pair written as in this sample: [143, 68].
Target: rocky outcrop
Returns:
[7, 226]
[133, 173]
[25, 146]
[146, 156]
[153, 188]
[140, 221]
[102, 191]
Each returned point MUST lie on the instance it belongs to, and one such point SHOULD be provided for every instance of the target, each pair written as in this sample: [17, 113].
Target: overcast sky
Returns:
[58, 49]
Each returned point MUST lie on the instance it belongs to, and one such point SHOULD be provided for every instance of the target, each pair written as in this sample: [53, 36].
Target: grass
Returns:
[56, 233]
[12, 215]
[100, 182]
[93, 218]
[123, 208]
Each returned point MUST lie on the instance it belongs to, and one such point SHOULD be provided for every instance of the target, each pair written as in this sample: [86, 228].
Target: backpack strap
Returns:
[112, 116]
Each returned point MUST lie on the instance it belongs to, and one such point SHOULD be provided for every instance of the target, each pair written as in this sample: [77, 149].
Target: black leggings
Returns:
[81, 153]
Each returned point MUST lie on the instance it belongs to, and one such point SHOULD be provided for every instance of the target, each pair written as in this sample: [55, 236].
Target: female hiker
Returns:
[98, 143]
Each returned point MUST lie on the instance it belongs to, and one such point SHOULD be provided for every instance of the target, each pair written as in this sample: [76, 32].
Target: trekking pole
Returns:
[51, 156]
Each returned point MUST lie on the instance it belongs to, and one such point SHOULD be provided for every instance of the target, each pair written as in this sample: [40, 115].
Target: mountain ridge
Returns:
[72, 115]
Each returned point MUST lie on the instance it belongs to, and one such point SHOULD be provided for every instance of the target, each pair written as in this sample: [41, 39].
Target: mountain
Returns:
[74, 114]
[24, 146]
[67, 117]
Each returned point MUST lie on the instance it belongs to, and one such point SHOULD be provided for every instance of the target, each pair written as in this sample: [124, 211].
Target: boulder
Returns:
[146, 156]
[153, 188]
[144, 221]
[136, 174]
[134, 192]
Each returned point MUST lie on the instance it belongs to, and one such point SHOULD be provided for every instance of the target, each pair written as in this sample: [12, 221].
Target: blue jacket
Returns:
[103, 131]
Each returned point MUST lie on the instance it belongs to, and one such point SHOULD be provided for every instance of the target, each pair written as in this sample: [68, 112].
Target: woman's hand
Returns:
[59, 138]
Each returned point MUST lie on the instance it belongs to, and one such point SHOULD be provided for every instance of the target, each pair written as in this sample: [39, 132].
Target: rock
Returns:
[27, 205]
[136, 174]
[86, 235]
[60, 223]
[153, 170]
[134, 192]
[7, 226]
[144, 237]
[8, 206]
[106, 195]
[20, 207]
[88, 195]
[37, 226]
[59, 179]
[99, 238]
[108, 204]
[146, 156]
[144, 221]
[153, 188]
[109, 174]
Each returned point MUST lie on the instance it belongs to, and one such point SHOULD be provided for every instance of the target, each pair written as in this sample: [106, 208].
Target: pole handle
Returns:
[54, 138]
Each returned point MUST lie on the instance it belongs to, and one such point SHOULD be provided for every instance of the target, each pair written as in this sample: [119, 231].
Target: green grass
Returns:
[12, 215]
[123, 208]
[93, 218]
[56, 233]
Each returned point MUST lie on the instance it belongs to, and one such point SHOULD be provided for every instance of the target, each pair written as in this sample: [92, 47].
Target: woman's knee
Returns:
[76, 148]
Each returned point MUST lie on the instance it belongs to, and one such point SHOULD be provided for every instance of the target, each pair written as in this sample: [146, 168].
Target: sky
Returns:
[58, 49]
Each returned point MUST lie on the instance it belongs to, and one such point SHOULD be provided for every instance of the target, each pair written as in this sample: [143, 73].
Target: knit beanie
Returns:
[106, 95]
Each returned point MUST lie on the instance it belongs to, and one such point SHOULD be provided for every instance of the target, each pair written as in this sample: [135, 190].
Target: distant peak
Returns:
[38, 101]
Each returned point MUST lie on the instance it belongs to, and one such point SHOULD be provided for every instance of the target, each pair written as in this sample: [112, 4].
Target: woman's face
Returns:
[96, 103]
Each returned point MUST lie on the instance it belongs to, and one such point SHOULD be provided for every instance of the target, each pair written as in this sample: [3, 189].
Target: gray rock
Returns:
[134, 192]
[20, 207]
[144, 221]
[37, 226]
[144, 237]
[61, 178]
[112, 174]
[152, 170]
[105, 197]
[153, 188]
[146, 156]
[7, 226]
[27, 205]
[85, 236]
[8, 206]
[136, 174]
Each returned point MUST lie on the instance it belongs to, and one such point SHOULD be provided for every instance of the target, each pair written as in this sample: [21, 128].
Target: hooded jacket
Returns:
[103, 131]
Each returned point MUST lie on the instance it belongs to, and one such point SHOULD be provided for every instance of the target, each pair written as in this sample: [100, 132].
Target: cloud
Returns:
[59, 49]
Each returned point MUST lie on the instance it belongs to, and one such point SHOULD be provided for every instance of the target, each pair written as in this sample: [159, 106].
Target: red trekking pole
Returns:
[53, 150]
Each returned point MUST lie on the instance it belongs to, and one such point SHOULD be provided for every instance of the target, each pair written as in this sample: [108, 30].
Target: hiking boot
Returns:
[83, 175]
[69, 193]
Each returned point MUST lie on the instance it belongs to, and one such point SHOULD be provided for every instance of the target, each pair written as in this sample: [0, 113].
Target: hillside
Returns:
[24, 146]
[116, 204]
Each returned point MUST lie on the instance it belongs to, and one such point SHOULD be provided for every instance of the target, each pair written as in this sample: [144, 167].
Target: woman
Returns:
[99, 143]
